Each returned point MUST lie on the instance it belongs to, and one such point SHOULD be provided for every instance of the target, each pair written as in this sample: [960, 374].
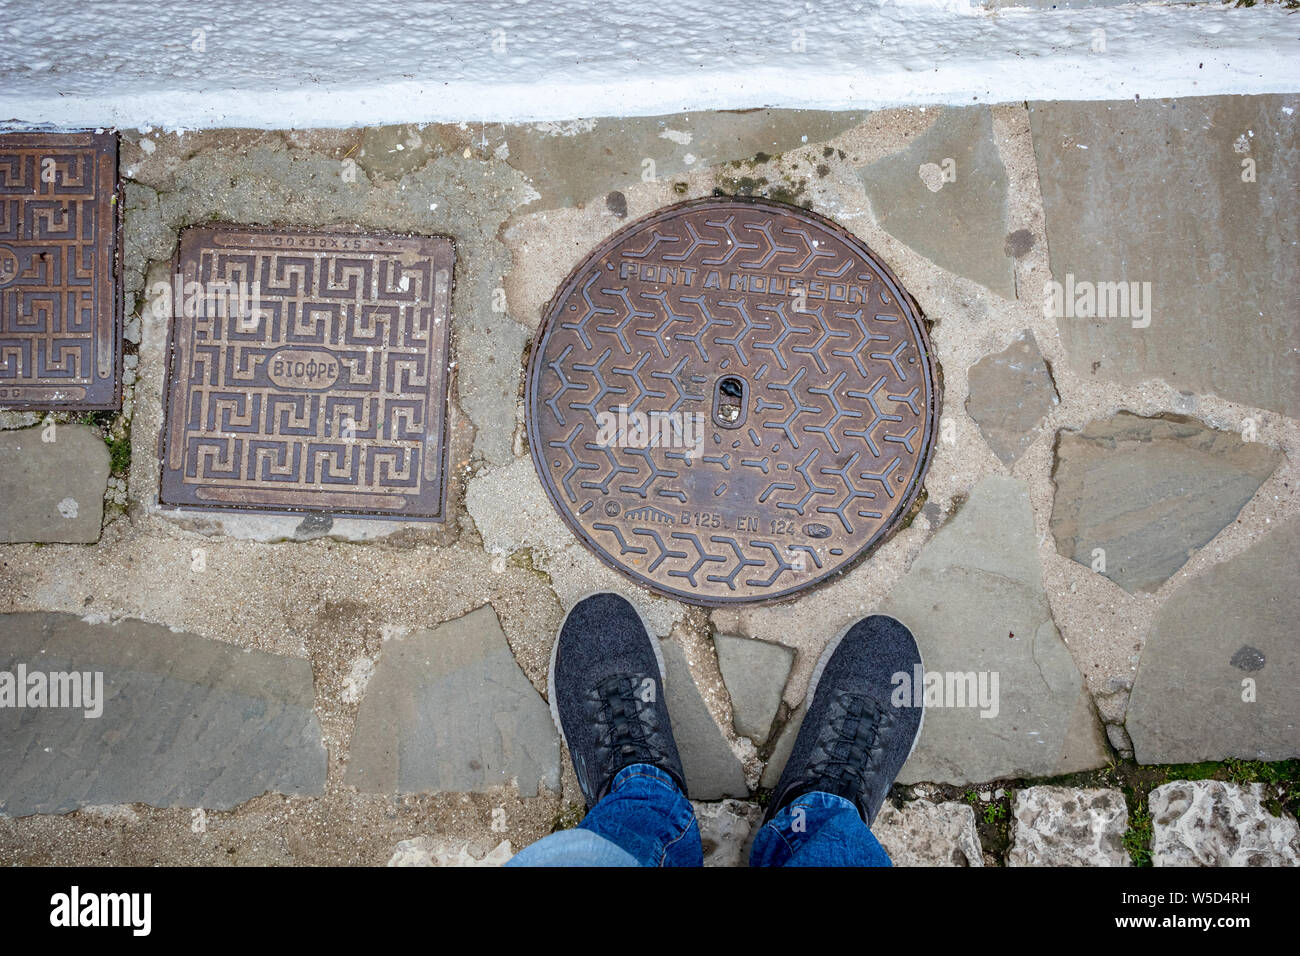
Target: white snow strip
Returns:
[297, 63]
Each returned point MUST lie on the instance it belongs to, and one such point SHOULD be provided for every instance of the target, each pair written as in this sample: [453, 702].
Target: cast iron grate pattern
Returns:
[60, 314]
[731, 400]
[308, 373]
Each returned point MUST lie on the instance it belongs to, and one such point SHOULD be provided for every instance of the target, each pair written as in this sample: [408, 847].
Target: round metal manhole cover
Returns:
[731, 400]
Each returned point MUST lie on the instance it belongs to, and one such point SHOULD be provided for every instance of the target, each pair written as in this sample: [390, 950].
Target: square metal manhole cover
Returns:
[60, 314]
[308, 372]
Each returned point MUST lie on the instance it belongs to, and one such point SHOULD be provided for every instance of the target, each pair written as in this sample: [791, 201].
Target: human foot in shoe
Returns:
[854, 741]
[607, 694]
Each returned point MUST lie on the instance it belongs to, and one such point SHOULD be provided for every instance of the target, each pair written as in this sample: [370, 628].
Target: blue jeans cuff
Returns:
[818, 829]
[644, 772]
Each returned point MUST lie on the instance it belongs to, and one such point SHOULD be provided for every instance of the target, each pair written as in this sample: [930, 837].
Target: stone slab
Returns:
[1011, 393]
[448, 709]
[572, 163]
[1220, 669]
[727, 830]
[428, 851]
[1064, 826]
[713, 770]
[1153, 191]
[1149, 492]
[1213, 823]
[929, 834]
[755, 673]
[959, 221]
[186, 721]
[52, 491]
[974, 599]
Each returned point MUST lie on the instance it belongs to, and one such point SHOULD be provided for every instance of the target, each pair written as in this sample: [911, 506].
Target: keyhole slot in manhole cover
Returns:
[732, 400]
[729, 402]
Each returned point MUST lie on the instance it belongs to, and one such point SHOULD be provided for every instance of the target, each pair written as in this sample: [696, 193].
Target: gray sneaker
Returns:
[854, 741]
[607, 694]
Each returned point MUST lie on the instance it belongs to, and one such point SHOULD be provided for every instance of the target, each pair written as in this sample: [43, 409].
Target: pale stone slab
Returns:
[727, 830]
[974, 599]
[1010, 395]
[755, 673]
[945, 195]
[448, 709]
[186, 721]
[713, 770]
[1149, 492]
[1220, 669]
[1161, 192]
[1213, 823]
[52, 484]
[427, 851]
[1063, 826]
[929, 834]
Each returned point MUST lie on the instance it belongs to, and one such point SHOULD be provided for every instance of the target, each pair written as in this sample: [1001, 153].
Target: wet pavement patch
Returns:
[308, 373]
[730, 401]
[60, 314]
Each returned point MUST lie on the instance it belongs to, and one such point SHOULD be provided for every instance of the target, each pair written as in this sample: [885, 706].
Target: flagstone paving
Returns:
[400, 672]
[172, 719]
[449, 709]
[1062, 826]
[975, 601]
[52, 484]
[1206, 690]
[1136, 497]
[713, 770]
[1010, 395]
[945, 195]
[929, 834]
[1197, 198]
[1213, 823]
[755, 673]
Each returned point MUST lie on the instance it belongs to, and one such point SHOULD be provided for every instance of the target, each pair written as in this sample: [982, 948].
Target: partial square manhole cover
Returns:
[308, 372]
[60, 314]
[731, 400]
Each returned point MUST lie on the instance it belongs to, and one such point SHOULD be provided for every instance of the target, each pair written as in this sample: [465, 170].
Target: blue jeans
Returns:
[645, 820]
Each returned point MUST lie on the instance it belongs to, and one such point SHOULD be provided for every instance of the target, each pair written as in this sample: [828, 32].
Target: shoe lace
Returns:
[628, 727]
[853, 743]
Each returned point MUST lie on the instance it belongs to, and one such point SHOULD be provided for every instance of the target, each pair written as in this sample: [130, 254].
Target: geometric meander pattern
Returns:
[60, 334]
[308, 372]
[828, 439]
